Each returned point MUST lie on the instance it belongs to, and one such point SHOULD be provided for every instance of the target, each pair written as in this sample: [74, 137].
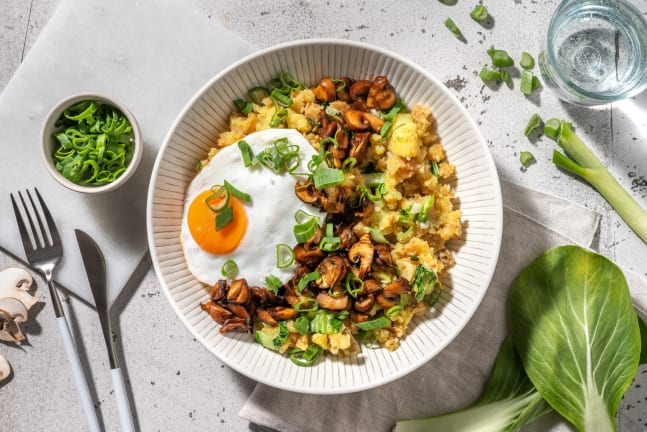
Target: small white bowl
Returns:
[48, 143]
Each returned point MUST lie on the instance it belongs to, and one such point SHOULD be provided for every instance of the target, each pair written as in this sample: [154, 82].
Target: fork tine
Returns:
[34, 232]
[24, 235]
[43, 231]
[53, 231]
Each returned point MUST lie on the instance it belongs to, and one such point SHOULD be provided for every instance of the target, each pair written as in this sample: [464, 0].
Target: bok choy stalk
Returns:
[583, 163]
[508, 402]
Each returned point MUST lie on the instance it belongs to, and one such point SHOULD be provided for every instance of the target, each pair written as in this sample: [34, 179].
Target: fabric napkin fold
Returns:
[534, 222]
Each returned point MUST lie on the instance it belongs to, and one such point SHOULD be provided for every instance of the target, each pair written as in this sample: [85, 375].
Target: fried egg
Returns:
[258, 226]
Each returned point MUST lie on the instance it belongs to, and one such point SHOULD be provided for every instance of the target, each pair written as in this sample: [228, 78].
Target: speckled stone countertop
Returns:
[177, 384]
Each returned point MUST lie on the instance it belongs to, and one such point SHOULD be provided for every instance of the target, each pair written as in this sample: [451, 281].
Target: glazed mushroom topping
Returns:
[326, 91]
[381, 95]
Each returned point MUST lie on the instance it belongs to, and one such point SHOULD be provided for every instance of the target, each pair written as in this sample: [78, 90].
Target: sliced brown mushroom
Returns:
[381, 95]
[383, 255]
[217, 312]
[396, 287]
[332, 270]
[265, 316]
[361, 253]
[386, 302]
[309, 257]
[326, 91]
[307, 192]
[239, 292]
[282, 313]
[370, 286]
[327, 130]
[235, 324]
[346, 235]
[358, 317]
[364, 303]
[359, 89]
[329, 302]
[358, 145]
[342, 86]
[335, 201]
[365, 209]
[359, 121]
[238, 310]
[219, 290]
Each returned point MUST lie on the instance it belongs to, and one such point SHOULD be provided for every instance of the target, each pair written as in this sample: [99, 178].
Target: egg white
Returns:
[270, 214]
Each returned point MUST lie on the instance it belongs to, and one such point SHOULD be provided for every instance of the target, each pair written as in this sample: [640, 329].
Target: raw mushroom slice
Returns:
[5, 369]
[15, 302]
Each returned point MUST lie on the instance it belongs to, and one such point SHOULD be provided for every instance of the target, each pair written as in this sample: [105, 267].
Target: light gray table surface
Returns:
[176, 384]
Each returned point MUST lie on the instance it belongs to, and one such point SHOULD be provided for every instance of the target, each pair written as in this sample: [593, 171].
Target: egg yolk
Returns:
[202, 225]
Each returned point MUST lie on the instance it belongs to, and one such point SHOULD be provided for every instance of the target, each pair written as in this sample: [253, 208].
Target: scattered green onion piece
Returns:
[373, 192]
[198, 167]
[243, 106]
[353, 285]
[282, 336]
[312, 303]
[229, 268]
[526, 158]
[219, 193]
[273, 283]
[505, 76]
[301, 216]
[533, 123]
[404, 217]
[527, 61]
[257, 94]
[393, 111]
[306, 279]
[277, 84]
[489, 75]
[324, 177]
[307, 357]
[426, 206]
[224, 218]
[237, 193]
[373, 178]
[500, 58]
[414, 258]
[280, 98]
[552, 128]
[329, 140]
[479, 13]
[377, 235]
[340, 84]
[405, 236]
[529, 82]
[343, 315]
[424, 282]
[451, 25]
[246, 152]
[284, 256]
[535, 83]
[302, 324]
[348, 164]
[304, 231]
[374, 324]
[325, 322]
[330, 242]
[393, 311]
[435, 169]
[289, 81]
[279, 117]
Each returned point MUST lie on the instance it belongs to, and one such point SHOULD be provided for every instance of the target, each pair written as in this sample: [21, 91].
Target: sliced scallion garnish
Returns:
[353, 285]
[479, 13]
[394, 310]
[229, 268]
[246, 152]
[525, 157]
[527, 61]
[305, 358]
[500, 58]
[533, 123]
[306, 279]
[284, 256]
[374, 324]
[224, 217]
[219, 199]
[273, 283]
[451, 25]
[324, 177]
[306, 305]
[237, 193]
[243, 106]
[489, 75]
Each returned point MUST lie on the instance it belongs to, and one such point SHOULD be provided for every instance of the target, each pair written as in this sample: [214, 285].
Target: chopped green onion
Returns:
[221, 195]
[488, 74]
[505, 76]
[426, 206]
[229, 268]
[529, 82]
[330, 242]
[302, 324]
[395, 109]
[343, 315]
[435, 169]
[500, 58]
[533, 123]
[479, 13]
[280, 99]
[424, 282]
[237, 193]
[414, 258]
[374, 324]
[394, 310]
[273, 283]
[299, 307]
[348, 164]
[404, 217]
[198, 167]
[325, 322]
[353, 285]
[526, 158]
[279, 117]
[377, 235]
[246, 152]
[243, 106]
[373, 192]
[257, 94]
[306, 279]
[324, 177]
[405, 236]
[284, 256]
[307, 357]
[301, 216]
[527, 61]
[289, 81]
[552, 128]
[374, 178]
[304, 231]
[282, 336]
[224, 217]
[451, 25]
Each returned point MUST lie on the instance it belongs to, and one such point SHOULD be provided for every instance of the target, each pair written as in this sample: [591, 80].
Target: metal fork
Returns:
[43, 252]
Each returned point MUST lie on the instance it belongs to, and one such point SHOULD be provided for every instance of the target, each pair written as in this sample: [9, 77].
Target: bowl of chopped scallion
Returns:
[91, 143]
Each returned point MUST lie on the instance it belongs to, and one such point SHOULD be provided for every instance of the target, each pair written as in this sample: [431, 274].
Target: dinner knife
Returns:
[95, 267]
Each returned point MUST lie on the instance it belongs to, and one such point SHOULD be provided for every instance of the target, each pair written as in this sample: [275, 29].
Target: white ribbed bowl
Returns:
[477, 189]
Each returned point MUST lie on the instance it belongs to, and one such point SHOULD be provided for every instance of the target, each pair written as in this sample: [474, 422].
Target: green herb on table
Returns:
[489, 75]
[500, 58]
[527, 61]
[94, 143]
[533, 123]
[529, 82]
[526, 158]
[449, 23]
[575, 349]
[479, 13]
[579, 160]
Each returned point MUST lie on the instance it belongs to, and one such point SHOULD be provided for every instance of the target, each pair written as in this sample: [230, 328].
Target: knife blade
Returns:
[95, 268]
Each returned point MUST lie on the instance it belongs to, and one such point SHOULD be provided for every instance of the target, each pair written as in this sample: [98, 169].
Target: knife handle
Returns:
[78, 375]
[123, 405]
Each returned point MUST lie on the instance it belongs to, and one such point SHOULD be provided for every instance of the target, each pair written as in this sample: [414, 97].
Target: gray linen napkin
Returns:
[534, 222]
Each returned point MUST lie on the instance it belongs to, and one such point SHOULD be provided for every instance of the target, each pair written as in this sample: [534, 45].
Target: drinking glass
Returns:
[595, 51]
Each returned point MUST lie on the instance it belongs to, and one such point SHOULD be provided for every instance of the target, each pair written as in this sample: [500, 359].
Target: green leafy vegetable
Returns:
[583, 163]
[325, 322]
[577, 333]
[425, 282]
[282, 336]
[374, 324]
[93, 143]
